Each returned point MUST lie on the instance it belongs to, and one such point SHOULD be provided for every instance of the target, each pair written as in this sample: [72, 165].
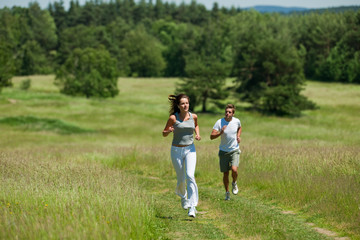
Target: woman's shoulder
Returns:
[172, 117]
[193, 115]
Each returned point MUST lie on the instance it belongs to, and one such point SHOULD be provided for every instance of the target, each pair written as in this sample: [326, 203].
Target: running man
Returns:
[229, 128]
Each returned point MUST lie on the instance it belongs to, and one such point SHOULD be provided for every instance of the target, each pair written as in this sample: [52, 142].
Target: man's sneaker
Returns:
[235, 189]
[227, 196]
[185, 203]
[192, 212]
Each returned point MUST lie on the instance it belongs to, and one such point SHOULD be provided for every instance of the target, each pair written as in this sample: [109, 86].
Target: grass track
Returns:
[217, 219]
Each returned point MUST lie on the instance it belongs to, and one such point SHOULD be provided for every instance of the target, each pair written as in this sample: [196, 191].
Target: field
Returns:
[76, 168]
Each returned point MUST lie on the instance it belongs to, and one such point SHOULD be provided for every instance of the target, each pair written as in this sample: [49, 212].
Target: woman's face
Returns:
[184, 104]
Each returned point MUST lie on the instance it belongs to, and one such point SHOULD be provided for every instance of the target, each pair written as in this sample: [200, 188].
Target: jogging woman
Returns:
[183, 155]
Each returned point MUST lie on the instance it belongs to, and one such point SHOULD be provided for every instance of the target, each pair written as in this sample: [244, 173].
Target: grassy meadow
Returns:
[76, 168]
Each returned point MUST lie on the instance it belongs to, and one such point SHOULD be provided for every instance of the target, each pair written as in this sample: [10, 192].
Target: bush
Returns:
[88, 72]
[285, 101]
[25, 84]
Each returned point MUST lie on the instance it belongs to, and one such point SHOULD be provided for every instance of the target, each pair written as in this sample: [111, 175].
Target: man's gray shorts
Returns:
[228, 159]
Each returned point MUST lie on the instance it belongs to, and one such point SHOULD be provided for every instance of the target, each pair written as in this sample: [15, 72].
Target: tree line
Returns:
[268, 54]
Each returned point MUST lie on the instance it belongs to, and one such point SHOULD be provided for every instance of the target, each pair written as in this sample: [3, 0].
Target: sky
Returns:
[209, 3]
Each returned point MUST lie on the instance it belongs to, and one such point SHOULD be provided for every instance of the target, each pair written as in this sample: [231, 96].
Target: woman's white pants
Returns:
[184, 162]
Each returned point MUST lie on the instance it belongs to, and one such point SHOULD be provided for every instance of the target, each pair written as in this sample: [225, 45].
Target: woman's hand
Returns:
[197, 137]
[171, 129]
[169, 126]
[167, 131]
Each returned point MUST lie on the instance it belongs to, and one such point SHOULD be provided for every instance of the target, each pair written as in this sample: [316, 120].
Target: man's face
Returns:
[229, 113]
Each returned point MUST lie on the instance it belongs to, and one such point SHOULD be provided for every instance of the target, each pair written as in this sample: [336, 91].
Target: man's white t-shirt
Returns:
[229, 137]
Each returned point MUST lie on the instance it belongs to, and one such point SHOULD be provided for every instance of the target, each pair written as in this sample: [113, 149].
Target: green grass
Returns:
[43, 124]
[52, 195]
[79, 168]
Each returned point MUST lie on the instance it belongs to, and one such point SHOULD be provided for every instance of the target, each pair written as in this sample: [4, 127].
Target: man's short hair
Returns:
[230, 106]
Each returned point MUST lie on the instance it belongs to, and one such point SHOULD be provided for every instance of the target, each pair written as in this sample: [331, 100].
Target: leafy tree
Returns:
[7, 66]
[74, 14]
[193, 13]
[144, 53]
[353, 70]
[126, 8]
[89, 14]
[207, 66]
[206, 81]
[9, 39]
[159, 10]
[38, 37]
[31, 36]
[342, 64]
[13, 28]
[36, 52]
[269, 68]
[33, 59]
[140, 11]
[170, 10]
[319, 33]
[88, 72]
[86, 37]
[116, 32]
[42, 26]
[215, 11]
[176, 38]
[59, 14]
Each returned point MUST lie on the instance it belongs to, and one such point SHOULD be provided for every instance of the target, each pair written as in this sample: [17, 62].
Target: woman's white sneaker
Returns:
[192, 212]
[185, 203]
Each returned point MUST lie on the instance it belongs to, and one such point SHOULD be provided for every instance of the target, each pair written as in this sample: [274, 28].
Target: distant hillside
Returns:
[337, 9]
[286, 10]
[265, 9]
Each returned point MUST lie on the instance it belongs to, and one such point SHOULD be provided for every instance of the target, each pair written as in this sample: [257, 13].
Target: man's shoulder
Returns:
[219, 120]
[236, 119]
[218, 123]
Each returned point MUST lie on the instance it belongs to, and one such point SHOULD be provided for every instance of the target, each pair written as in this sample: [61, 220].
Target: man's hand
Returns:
[223, 129]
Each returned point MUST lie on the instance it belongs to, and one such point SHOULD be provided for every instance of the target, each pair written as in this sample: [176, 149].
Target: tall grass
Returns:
[46, 194]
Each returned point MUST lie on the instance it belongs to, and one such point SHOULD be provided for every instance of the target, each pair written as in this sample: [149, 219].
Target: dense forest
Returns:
[146, 39]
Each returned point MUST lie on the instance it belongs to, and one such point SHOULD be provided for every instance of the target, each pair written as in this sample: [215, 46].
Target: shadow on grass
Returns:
[164, 217]
[43, 124]
[187, 219]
